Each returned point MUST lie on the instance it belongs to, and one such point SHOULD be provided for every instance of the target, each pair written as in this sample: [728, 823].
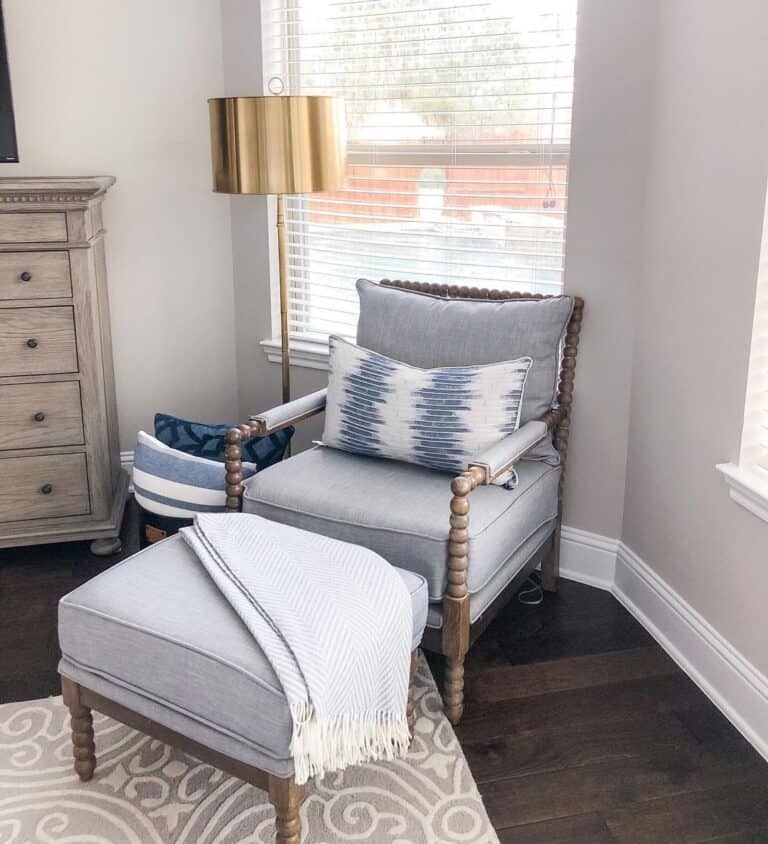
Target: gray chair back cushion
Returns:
[430, 331]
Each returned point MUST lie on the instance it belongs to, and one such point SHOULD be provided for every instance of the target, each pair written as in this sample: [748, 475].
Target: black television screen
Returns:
[8, 148]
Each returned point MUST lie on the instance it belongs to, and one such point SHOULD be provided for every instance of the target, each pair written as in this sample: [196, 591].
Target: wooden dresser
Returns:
[60, 474]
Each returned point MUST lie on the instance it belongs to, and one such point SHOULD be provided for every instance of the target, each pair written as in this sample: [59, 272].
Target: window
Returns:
[459, 118]
[749, 479]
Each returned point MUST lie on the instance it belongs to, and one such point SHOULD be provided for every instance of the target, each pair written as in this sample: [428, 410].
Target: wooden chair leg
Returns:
[550, 565]
[81, 720]
[287, 798]
[455, 641]
[456, 616]
[453, 691]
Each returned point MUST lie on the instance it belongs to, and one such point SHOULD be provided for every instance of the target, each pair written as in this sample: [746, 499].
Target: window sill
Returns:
[748, 487]
[306, 353]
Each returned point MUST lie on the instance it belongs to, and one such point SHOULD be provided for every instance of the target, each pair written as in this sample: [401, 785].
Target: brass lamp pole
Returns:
[278, 145]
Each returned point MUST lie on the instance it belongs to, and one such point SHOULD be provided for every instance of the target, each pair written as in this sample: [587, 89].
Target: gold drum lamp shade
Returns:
[277, 145]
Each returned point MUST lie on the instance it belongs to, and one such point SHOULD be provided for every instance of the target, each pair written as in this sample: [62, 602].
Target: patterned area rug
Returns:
[145, 792]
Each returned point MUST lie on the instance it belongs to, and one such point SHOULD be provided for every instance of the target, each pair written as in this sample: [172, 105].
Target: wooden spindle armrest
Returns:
[259, 426]
[501, 457]
[288, 414]
[494, 462]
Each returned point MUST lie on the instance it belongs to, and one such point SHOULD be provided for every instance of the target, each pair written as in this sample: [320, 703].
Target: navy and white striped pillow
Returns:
[171, 483]
[441, 418]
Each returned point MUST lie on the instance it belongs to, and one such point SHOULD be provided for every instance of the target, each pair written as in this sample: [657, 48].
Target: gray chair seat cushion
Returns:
[532, 549]
[402, 511]
[155, 634]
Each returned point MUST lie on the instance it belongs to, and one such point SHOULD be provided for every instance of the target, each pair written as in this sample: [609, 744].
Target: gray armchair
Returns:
[474, 542]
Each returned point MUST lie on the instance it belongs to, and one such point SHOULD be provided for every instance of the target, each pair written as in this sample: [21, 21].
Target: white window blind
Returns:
[754, 441]
[459, 117]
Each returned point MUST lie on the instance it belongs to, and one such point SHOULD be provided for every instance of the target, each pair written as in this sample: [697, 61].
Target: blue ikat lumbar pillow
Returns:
[442, 418]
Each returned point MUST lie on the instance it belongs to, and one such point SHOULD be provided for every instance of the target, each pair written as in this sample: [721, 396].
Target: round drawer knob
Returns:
[25, 276]
[46, 489]
[39, 416]
[32, 343]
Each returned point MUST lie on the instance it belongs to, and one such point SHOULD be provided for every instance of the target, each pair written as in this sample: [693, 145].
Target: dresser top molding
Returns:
[53, 190]
[78, 199]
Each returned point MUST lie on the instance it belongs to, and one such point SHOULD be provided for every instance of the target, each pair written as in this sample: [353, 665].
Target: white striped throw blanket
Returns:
[335, 621]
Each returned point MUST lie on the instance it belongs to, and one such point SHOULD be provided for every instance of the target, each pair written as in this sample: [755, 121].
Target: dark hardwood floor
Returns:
[578, 728]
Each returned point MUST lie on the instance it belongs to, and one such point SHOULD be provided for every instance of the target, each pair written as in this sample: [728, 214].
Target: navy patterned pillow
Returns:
[208, 440]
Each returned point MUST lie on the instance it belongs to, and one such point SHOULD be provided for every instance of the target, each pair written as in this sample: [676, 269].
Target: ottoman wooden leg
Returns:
[81, 719]
[287, 798]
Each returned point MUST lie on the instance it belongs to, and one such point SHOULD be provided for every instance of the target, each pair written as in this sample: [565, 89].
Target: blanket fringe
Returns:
[349, 738]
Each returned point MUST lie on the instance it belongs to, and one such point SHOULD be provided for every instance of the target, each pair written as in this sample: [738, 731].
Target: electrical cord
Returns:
[531, 592]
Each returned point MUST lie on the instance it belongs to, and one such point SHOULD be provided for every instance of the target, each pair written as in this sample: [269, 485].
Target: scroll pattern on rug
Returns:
[145, 792]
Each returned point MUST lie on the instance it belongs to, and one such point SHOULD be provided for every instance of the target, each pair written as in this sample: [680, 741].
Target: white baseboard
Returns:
[725, 676]
[729, 680]
[588, 557]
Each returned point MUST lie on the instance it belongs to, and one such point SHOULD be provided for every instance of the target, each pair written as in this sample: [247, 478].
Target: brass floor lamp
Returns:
[278, 145]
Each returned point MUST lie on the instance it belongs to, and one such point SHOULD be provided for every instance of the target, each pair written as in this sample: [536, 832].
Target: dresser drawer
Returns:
[43, 487]
[34, 275]
[39, 415]
[28, 227]
[37, 341]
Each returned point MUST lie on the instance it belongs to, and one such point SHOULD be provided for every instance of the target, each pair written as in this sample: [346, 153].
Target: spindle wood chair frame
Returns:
[457, 633]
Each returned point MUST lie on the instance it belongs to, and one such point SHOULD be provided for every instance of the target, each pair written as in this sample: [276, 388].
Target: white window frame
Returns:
[747, 479]
[313, 354]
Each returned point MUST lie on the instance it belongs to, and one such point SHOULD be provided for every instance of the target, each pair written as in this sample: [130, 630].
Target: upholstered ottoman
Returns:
[152, 643]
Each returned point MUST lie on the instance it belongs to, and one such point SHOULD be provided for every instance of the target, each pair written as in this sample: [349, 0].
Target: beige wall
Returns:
[613, 76]
[120, 88]
[708, 162]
